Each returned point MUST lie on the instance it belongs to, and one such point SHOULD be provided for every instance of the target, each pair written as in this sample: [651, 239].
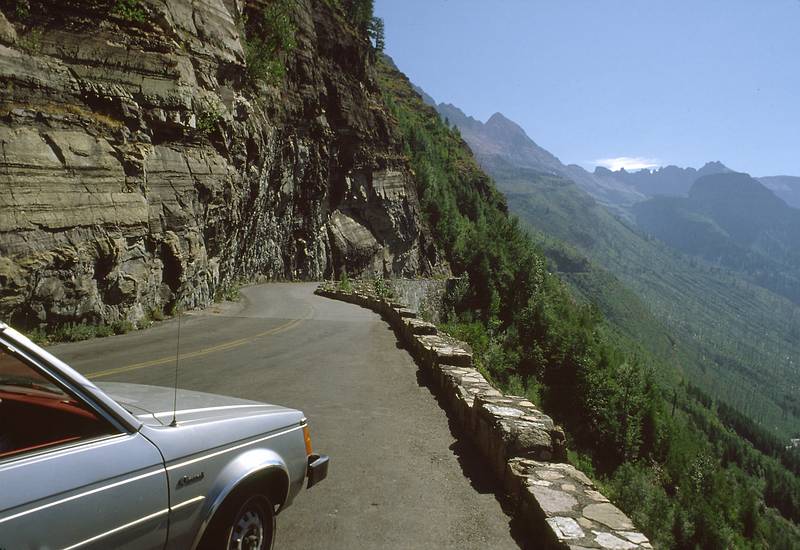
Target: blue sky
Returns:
[654, 81]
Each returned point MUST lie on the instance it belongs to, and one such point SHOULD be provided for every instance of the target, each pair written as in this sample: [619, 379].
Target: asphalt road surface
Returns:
[398, 477]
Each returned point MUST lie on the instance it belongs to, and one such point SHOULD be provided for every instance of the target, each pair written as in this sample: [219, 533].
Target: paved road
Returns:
[398, 477]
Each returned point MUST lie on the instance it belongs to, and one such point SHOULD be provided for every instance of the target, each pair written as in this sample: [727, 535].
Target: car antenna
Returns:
[174, 422]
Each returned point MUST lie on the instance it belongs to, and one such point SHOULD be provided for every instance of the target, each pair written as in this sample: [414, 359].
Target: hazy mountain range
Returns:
[722, 216]
[502, 140]
[501, 137]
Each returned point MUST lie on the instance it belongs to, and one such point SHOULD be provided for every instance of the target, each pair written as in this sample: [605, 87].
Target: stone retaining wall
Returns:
[422, 295]
[523, 447]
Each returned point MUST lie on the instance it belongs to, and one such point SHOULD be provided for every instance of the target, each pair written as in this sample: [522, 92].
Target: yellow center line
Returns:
[205, 351]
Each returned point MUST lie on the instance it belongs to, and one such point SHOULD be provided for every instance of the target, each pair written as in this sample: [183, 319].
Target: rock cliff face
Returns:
[139, 169]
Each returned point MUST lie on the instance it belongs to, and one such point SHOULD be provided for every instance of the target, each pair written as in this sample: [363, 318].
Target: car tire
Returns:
[244, 522]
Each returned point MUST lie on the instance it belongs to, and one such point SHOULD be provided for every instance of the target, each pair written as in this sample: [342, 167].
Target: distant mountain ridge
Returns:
[619, 189]
[724, 217]
[668, 180]
[500, 139]
[500, 136]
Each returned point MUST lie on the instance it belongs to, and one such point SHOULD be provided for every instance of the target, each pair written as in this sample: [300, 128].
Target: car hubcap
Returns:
[248, 529]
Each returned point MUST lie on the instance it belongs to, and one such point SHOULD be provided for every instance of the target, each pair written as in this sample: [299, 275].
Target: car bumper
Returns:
[317, 469]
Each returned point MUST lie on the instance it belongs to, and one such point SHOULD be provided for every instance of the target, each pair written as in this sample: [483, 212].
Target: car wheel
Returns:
[245, 523]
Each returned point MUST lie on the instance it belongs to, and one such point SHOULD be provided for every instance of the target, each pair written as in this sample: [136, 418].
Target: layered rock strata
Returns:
[142, 168]
[522, 446]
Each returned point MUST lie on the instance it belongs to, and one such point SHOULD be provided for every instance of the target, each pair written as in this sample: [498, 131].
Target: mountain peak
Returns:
[499, 118]
[499, 121]
[714, 167]
[502, 140]
[506, 131]
[723, 185]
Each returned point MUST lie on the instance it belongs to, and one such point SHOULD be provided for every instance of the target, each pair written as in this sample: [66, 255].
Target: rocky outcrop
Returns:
[556, 503]
[140, 169]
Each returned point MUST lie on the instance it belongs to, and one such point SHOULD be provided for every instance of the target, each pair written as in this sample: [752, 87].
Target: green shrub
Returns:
[76, 332]
[268, 40]
[22, 9]
[38, 336]
[32, 40]
[344, 283]
[359, 13]
[129, 10]
[122, 327]
[207, 120]
[383, 289]
[582, 462]
[637, 487]
[156, 314]
[229, 292]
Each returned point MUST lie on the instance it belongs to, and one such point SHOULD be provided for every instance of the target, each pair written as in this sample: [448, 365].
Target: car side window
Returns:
[36, 413]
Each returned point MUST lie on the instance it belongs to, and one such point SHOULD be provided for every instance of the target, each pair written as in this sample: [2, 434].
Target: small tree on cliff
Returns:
[359, 12]
[376, 34]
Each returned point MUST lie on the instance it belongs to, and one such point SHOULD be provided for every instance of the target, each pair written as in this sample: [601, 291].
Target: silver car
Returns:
[117, 467]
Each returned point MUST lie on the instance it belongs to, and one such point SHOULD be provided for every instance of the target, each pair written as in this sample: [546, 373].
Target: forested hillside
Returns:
[686, 479]
[733, 221]
[735, 340]
[732, 338]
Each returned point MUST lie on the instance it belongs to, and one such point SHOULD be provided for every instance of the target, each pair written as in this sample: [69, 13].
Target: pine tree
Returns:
[359, 12]
[376, 33]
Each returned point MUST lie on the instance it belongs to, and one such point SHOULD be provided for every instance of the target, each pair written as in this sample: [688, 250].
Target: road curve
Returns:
[398, 477]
